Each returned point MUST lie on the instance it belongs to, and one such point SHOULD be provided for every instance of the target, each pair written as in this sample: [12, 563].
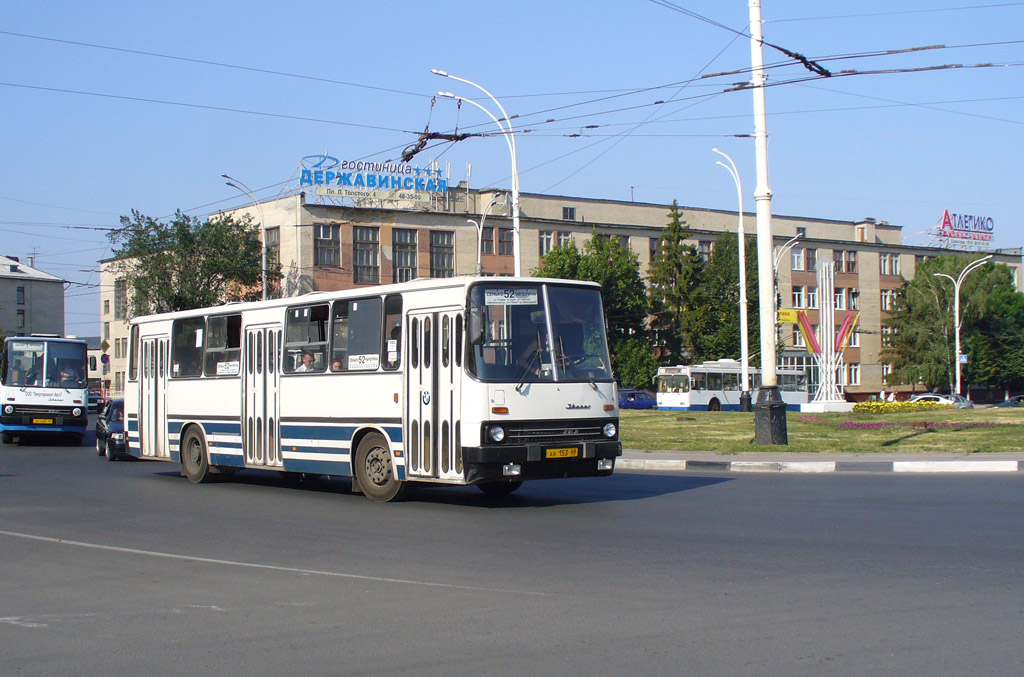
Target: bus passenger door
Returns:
[260, 425]
[152, 394]
[433, 426]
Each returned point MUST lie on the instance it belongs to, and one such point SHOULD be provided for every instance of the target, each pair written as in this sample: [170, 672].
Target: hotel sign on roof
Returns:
[374, 180]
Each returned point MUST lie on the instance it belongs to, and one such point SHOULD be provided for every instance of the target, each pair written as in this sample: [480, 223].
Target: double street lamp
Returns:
[238, 185]
[958, 321]
[480, 234]
[505, 125]
[744, 349]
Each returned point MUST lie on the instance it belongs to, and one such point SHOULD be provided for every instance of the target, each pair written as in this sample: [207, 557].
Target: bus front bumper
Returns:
[532, 462]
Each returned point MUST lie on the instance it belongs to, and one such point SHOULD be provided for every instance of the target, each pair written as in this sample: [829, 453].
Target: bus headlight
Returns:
[496, 433]
[609, 430]
[8, 410]
[76, 412]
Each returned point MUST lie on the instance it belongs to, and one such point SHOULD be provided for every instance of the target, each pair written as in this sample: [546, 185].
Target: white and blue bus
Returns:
[460, 381]
[715, 386]
[43, 388]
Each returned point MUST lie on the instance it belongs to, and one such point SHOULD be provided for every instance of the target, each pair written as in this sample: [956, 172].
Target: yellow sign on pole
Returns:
[788, 315]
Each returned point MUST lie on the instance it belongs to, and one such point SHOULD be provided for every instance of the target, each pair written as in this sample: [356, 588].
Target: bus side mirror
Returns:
[475, 330]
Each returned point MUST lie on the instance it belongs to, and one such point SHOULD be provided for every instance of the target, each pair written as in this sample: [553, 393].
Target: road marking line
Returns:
[269, 567]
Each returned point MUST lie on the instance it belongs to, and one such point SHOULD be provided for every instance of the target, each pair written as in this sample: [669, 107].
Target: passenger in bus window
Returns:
[337, 364]
[308, 359]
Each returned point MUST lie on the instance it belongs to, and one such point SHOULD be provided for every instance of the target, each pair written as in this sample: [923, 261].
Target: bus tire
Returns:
[375, 471]
[714, 405]
[499, 488]
[195, 464]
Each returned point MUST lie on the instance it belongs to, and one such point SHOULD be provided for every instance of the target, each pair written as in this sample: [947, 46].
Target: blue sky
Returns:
[91, 131]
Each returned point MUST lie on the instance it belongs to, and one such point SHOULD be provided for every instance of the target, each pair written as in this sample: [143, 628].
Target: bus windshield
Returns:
[536, 333]
[44, 364]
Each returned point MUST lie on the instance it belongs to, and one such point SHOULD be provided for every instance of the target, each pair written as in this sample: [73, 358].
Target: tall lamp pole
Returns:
[770, 409]
[958, 321]
[505, 125]
[744, 348]
[238, 185]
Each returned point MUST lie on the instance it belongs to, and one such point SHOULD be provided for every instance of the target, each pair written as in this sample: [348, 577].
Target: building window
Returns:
[854, 299]
[855, 338]
[564, 238]
[851, 262]
[852, 374]
[442, 253]
[366, 257]
[118, 381]
[326, 245]
[568, 213]
[654, 247]
[106, 306]
[120, 300]
[20, 293]
[837, 261]
[21, 319]
[798, 339]
[796, 259]
[886, 336]
[487, 241]
[704, 248]
[546, 238]
[889, 264]
[812, 297]
[811, 259]
[886, 371]
[840, 299]
[106, 331]
[801, 232]
[505, 242]
[888, 297]
[403, 243]
[273, 238]
[798, 296]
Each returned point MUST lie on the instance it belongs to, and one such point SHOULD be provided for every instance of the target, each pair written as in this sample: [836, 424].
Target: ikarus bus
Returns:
[43, 388]
[483, 381]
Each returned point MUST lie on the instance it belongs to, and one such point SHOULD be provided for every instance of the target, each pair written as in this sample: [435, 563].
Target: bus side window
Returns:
[223, 345]
[187, 347]
[306, 335]
[133, 354]
[356, 333]
[392, 332]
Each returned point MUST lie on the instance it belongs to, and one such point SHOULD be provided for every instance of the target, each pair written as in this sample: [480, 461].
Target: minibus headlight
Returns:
[609, 430]
[77, 411]
[8, 410]
[496, 433]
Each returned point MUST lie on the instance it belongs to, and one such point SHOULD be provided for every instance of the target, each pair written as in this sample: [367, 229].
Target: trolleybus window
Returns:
[223, 345]
[392, 332]
[306, 339]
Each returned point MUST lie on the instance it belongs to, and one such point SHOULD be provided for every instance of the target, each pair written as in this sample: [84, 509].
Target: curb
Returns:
[664, 465]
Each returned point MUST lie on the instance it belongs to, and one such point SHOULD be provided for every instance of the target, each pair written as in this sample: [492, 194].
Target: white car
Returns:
[958, 401]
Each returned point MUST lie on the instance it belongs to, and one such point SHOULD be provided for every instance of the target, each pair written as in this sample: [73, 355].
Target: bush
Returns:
[896, 407]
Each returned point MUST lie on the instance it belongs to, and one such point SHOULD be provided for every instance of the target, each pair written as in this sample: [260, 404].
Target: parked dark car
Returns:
[110, 439]
[637, 399]
[1015, 401]
[96, 402]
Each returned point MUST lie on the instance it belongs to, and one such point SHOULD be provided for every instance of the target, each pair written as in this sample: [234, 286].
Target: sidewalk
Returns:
[794, 462]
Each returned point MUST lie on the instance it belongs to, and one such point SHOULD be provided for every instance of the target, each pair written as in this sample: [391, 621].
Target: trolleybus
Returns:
[43, 388]
[715, 386]
[482, 381]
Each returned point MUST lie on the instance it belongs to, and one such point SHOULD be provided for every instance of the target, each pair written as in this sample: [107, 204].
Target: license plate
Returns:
[562, 452]
[42, 421]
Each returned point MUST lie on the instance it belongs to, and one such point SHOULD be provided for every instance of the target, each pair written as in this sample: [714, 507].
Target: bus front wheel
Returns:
[8, 438]
[194, 462]
[375, 471]
[714, 405]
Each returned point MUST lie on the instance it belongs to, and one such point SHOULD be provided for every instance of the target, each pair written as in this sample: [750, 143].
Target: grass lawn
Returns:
[960, 430]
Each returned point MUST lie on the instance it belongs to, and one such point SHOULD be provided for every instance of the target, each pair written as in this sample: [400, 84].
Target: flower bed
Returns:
[896, 407]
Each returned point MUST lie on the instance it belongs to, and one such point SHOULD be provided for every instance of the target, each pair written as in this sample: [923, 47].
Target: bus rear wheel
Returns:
[194, 462]
[714, 405]
[375, 471]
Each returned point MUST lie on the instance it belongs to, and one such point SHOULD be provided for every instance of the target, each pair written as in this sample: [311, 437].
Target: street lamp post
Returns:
[480, 233]
[238, 185]
[510, 139]
[957, 320]
[744, 348]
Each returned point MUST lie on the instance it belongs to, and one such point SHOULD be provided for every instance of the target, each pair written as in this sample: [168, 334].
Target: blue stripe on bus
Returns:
[318, 467]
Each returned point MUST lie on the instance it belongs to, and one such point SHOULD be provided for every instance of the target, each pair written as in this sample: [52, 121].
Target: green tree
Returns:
[714, 318]
[923, 340]
[187, 263]
[617, 270]
[675, 275]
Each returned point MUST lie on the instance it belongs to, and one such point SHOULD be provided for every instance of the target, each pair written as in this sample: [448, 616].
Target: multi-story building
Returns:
[325, 246]
[31, 301]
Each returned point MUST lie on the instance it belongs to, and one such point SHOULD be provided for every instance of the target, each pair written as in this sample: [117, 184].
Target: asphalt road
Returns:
[121, 568]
